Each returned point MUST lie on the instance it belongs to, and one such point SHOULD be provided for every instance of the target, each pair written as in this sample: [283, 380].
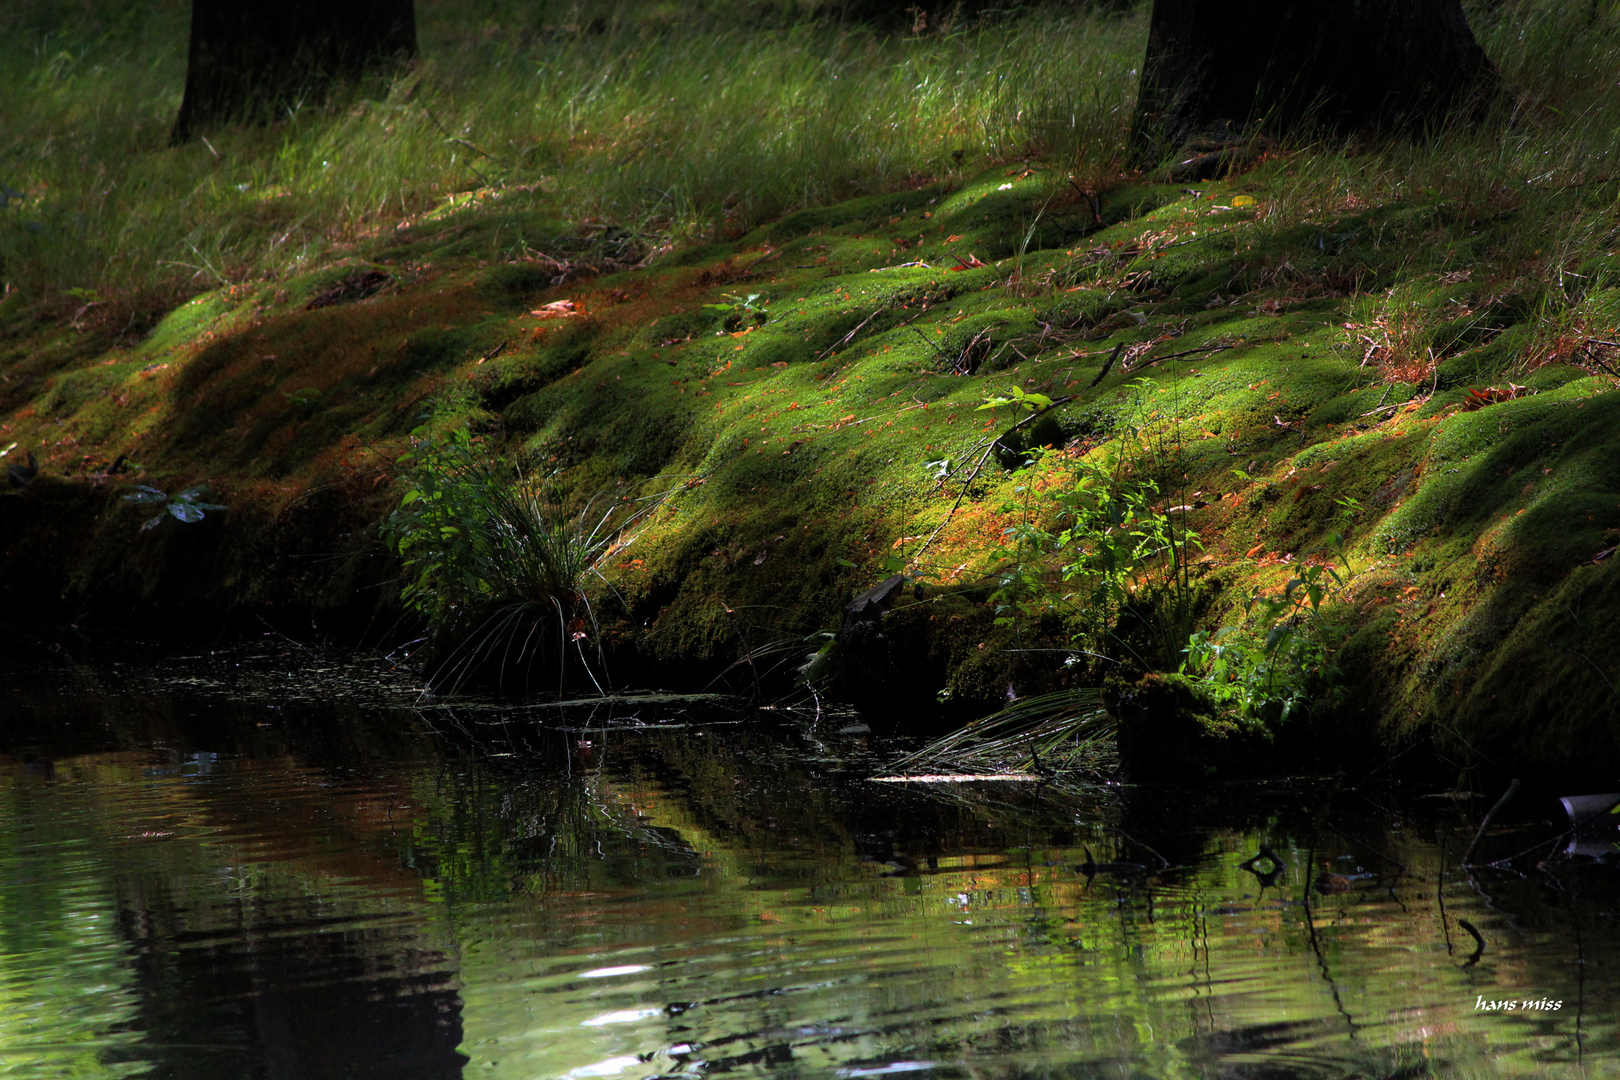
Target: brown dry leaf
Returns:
[557, 309]
[1478, 399]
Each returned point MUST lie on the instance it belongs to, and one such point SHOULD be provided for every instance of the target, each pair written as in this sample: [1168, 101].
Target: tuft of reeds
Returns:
[503, 570]
[1067, 733]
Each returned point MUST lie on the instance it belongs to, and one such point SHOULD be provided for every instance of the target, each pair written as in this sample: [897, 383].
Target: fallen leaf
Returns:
[557, 309]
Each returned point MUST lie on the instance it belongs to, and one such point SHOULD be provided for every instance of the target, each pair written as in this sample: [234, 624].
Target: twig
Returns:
[1468, 856]
[1310, 917]
[1164, 863]
[271, 631]
[941, 353]
[1601, 364]
[847, 338]
[1106, 365]
[1194, 240]
[1179, 355]
[1368, 847]
[1440, 894]
[1588, 659]
[1580, 978]
[768, 255]
[974, 475]
[1380, 407]
[1508, 860]
[1384, 766]
[451, 138]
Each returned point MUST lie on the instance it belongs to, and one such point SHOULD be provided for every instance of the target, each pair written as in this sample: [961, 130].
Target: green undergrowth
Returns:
[1421, 333]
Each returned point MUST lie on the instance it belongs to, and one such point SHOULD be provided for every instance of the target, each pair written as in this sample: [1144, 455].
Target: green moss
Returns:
[791, 453]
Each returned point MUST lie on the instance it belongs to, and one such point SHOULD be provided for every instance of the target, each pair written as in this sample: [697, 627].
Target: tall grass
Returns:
[704, 119]
[680, 122]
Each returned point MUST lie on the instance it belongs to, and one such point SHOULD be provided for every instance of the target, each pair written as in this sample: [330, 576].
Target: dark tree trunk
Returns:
[254, 60]
[1220, 68]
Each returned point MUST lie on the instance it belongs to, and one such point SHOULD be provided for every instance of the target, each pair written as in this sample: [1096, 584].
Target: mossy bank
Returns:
[806, 399]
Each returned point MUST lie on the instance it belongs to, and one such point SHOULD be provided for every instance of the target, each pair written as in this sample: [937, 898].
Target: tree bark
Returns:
[1218, 69]
[254, 60]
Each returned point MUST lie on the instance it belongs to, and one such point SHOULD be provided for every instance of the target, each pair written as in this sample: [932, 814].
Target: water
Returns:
[257, 864]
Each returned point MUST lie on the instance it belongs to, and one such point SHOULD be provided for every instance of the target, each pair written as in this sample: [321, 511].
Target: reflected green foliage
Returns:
[554, 892]
[67, 995]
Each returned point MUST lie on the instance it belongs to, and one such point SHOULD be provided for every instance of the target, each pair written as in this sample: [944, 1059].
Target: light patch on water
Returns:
[892, 1067]
[610, 1067]
[609, 972]
[621, 1016]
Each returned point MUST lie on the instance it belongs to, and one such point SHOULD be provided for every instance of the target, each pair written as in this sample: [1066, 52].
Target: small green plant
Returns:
[186, 506]
[738, 309]
[1105, 546]
[496, 563]
[1018, 398]
[1270, 663]
[1088, 557]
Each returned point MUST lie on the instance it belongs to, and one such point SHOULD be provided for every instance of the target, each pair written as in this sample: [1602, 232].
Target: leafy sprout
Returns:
[186, 506]
[1018, 398]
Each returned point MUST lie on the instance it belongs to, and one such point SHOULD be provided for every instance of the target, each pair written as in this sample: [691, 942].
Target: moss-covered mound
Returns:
[807, 398]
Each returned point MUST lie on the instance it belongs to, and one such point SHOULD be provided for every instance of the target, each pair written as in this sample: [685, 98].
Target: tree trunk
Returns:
[254, 60]
[1218, 70]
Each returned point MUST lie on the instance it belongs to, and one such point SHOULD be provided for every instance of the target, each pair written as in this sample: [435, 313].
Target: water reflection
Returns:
[206, 882]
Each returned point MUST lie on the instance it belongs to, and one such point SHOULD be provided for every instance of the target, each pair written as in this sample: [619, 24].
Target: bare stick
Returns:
[1440, 893]
[1101, 375]
[847, 338]
[941, 353]
[1507, 797]
[974, 475]
[1179, 355]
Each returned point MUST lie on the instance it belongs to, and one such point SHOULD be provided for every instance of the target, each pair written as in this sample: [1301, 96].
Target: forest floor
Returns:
[1386, 372]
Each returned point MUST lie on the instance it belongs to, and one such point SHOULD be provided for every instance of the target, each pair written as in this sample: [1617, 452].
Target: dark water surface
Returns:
[278, 864]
